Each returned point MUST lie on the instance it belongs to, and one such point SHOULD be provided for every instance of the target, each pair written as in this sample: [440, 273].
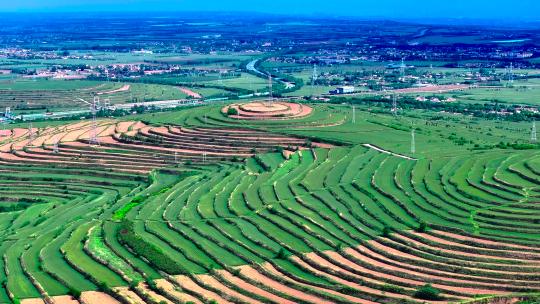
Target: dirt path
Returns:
[190, 93]
[122, 89]
[433, 89]
[388, 152]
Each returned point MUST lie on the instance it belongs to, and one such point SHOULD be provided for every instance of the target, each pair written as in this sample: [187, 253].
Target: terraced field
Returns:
[57, 94]
[191, 214]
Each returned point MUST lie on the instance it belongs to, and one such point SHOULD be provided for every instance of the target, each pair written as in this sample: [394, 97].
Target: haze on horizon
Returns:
[528, 10]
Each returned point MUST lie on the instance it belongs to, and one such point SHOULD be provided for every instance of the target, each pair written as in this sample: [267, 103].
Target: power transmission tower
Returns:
[93, 132]
[204, 157]
[313, 79]
[510, 74]
[413, 142]
[31, 134]
[402, 67]
[394, 104]
[55, 147]
[353, 114]
[533, 132]
[271, 97]
[175, 157]
[107, 104]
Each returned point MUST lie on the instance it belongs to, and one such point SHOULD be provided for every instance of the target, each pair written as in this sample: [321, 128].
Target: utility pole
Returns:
[93, 132]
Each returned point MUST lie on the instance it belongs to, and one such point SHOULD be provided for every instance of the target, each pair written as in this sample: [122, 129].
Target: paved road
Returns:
[251, 67]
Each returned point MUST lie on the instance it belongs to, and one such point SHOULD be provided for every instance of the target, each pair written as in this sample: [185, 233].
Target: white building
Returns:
[343, 90]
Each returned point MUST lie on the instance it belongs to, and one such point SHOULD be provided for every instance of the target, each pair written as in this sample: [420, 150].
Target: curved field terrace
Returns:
[261, 110]
[206, 211]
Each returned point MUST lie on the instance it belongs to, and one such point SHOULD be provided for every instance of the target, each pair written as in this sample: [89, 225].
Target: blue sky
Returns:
[474, 9]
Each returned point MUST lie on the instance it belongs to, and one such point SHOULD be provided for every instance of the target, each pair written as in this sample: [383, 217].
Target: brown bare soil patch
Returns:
[338, 279]
[190, 93]
[153, 295]
[5, 133]
[421, 277]
[171, 290]
[189, 284]
[64, 300]
[211, 281]
[123, 126]
[253, 289]
[129, 295]
[18, 132]
[535, 258]
[32, 301]
[255, 275]
[494, 259]
[274, 271]
[96, 297]
[483, 241]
